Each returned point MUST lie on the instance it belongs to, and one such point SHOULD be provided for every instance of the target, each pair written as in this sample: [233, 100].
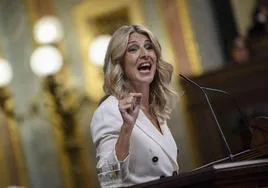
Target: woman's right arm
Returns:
[129, 108]
[111, 130]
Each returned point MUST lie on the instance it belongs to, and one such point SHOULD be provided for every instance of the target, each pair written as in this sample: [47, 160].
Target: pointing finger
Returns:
[136, 94]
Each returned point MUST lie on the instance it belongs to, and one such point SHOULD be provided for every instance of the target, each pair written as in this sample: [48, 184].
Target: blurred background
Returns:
[51, 57]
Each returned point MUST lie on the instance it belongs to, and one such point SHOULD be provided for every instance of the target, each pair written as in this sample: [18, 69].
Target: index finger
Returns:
[136, 94]
[137, 97]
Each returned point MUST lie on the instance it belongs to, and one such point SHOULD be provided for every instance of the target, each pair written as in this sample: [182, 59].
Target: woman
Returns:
[129, 127]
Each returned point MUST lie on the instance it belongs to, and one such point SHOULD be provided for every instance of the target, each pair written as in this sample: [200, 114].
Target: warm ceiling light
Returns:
[98, 48]
[5, 73]
[46, 60]
[48, 30]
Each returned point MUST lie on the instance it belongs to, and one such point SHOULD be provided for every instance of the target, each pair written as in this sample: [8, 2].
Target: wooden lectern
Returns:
[249, 169]
[246, 174]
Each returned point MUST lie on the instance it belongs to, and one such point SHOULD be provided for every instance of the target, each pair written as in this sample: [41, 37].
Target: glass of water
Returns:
[109, 174]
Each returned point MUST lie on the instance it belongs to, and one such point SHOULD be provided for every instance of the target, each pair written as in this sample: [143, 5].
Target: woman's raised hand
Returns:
[129, 108]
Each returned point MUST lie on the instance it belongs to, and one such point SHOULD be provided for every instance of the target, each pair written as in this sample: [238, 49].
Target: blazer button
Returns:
[155, 159]
[174, 173]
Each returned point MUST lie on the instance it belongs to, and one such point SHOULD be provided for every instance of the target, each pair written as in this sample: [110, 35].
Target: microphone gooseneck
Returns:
[233, 101]
[227, 147]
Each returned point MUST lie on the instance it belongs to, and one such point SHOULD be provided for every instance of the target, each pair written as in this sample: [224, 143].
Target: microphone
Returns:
[220, 91]
[227, 146]
[233, 101]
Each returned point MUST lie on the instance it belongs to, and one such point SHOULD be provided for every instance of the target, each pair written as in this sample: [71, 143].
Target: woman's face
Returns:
[140, 60]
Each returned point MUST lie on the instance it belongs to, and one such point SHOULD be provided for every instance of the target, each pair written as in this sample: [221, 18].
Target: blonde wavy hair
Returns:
[116, 83]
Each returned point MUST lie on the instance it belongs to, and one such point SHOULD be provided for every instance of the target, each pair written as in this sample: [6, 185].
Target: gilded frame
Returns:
[90, 10]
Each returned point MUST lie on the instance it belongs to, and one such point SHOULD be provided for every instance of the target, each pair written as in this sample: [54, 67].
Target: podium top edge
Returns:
[240, 163]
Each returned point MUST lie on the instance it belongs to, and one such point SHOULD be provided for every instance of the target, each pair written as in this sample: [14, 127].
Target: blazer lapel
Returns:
[163, 141]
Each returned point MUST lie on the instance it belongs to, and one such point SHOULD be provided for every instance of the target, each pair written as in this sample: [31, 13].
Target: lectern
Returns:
[242, 174]
[249, 169]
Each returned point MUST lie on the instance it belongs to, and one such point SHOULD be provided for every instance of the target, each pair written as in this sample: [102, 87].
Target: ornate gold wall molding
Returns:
[74, 170]
[36, 9]
[84, 13]
[195, 63]
[173, 25]
[14, 169]
[178, 24]
[4, 170]
[189, 38]
[56, 121]
[170, 56]
[15, 173]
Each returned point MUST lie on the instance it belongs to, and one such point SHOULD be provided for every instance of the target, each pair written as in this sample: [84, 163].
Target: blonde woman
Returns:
[129, 126]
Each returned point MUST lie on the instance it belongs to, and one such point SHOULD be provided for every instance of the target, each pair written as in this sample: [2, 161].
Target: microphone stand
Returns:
[232, 99]
[227, 147]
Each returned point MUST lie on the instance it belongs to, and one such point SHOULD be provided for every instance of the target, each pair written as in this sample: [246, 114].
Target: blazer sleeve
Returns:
[105, 128]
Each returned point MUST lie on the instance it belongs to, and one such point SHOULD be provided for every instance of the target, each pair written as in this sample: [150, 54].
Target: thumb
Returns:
[136, 109]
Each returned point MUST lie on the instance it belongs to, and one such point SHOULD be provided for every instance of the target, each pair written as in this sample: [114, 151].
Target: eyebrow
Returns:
[133, 41]
[130, 42]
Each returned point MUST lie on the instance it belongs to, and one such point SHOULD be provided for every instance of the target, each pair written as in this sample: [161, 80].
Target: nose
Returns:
[143, 53]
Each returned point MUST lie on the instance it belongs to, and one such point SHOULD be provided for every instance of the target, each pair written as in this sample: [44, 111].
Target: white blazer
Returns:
[151, 156]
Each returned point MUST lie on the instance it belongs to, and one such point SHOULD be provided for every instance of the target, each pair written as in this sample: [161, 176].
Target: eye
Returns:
[148, 46]
[132, 48]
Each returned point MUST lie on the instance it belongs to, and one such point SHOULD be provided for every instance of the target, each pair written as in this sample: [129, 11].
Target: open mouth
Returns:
[144, 67]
